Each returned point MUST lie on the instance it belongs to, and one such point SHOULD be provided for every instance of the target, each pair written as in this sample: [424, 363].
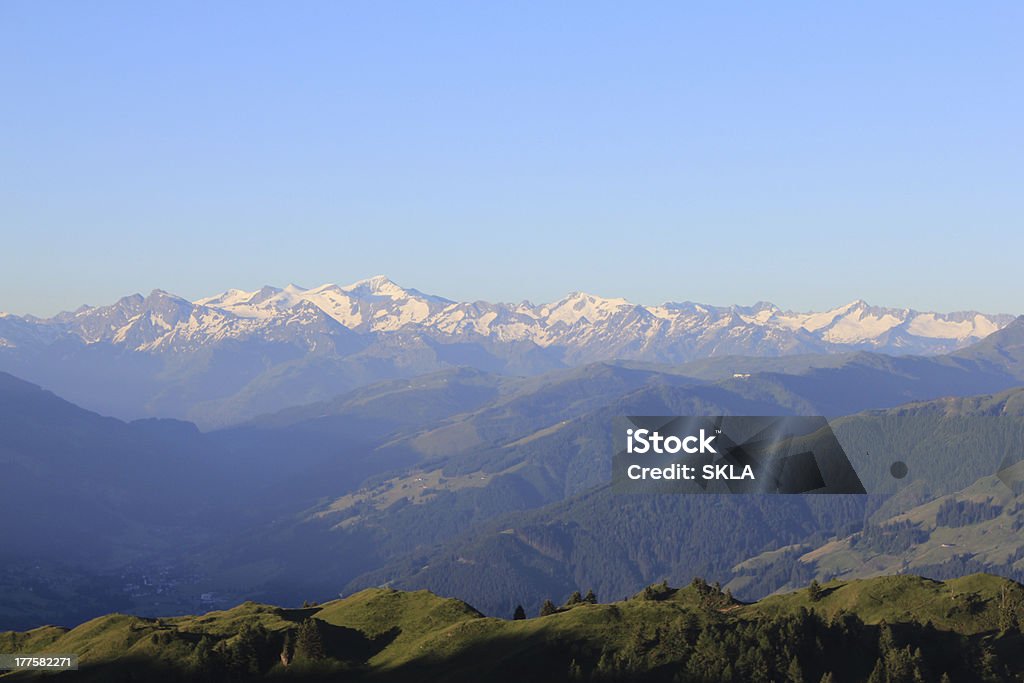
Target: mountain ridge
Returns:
[226, 358]
[577, 320]
[896, 625]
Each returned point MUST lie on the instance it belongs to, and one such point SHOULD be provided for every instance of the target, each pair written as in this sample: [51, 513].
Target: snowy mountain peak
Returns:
[764, 306]
[581, 306]
[161, 295]
[596, 299]
[579, 327]
[330, 286]
[378, 284]
[226, 298]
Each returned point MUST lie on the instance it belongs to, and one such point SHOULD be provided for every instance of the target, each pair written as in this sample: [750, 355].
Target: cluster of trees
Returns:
[604, 541]
[711, 595]
[786, 569]
[890, 539]
[658, 591]
[306, 646]
[239, 658]
[253, 651]
[1011, 611]
[965, 564]
[803, 648]
[548, 607]
[957, 513]
[706, 646]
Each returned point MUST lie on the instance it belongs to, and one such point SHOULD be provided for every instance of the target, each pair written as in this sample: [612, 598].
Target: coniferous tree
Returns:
[794, 674]
[919, 666]
[708, 662]
[878, 673]
[814, 591]
[886, 639]
[658, 591]
[547, 608]
[574, 599]
[520, 613]
[309, 644]
[1010, 608]
[205, 660]
[590, 598]
[991, 669]
[245, 649]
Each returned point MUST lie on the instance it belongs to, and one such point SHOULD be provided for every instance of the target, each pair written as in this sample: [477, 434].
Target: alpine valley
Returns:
[479, 466]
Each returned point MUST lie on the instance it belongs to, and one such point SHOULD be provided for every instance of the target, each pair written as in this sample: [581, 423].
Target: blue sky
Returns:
[803, 153]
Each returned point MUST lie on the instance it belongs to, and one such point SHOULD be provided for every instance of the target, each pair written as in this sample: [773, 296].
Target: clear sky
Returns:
[803, 153]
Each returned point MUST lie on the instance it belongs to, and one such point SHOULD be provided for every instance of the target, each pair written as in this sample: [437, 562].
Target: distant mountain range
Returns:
[476, 484]
[225, 358]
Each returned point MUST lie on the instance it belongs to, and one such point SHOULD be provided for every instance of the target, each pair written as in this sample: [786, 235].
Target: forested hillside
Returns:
[894, 629]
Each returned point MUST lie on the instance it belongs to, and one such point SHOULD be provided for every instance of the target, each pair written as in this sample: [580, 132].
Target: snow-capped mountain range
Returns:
[274, 346]
[588, 326]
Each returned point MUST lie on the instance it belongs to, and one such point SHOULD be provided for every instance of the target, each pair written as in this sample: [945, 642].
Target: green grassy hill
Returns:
[908, 628]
